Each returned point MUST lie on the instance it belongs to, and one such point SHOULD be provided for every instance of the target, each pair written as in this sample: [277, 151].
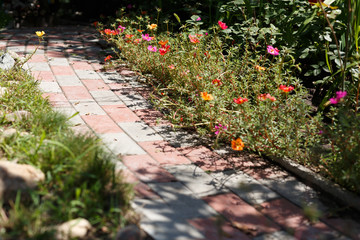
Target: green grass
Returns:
[81, 180]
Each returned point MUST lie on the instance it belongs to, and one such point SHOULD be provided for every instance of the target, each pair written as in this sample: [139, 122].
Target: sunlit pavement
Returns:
[183, 190]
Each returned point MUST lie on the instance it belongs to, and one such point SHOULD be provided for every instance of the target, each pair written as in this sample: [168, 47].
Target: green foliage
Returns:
[81, 180]
[340, 155]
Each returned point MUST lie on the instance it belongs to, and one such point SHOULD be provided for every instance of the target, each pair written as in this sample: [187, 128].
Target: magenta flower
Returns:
[219, 128]
[152, 48]
[121, 28]
[146, 37]
[198, 19]
[339, 95]
[272, 50]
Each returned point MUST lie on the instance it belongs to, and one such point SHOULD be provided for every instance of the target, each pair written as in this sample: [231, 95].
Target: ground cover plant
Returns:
[246, 95]
[80, 178]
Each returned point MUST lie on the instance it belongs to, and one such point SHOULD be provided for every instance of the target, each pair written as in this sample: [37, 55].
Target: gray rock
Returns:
[15, 177]
[17, 115]
[76, 228]
[6, 61]
[131, 232]
[16, 57]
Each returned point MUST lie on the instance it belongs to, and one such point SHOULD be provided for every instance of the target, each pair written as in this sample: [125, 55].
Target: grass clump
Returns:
[80, 177]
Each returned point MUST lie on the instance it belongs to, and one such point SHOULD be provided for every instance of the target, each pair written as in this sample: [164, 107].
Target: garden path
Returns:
[183, 190]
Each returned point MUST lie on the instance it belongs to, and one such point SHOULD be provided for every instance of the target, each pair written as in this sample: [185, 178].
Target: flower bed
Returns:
[239, 96]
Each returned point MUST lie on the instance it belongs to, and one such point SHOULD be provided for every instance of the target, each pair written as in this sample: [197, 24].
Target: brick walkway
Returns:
[183, 190]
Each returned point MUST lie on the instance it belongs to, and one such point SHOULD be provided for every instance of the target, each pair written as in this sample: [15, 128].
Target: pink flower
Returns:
[198, 19]
[121, 28]
[193, 39]
[219, 128]
[264, 96]
[146, 37]
[152, 48]
[339, 95]
[272, 50]
[171, 66]
[222, 25]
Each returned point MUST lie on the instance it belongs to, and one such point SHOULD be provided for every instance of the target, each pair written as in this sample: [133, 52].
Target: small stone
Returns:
[6, 61]
[9, 133]
[131, 232]
[127, 73]
[3, 90]
[76, 228]
[17, 115]
[15, 177]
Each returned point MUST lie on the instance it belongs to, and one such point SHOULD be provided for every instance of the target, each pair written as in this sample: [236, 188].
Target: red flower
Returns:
[222, 25]
[216, 82]
[286, 89]
[240, 100]
[110, 32]
[108, 58]
[164, 49]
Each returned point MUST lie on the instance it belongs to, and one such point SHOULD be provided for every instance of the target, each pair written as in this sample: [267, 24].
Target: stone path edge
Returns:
[342, 195]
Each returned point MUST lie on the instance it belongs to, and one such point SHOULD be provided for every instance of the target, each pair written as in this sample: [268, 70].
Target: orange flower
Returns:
[259, 68]
[108, 58]
[152, 26]
[163, 43]
[237, 144]
[240, 100]
[129, 36]
[206, 96]
[140, 31]
[286, 88]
